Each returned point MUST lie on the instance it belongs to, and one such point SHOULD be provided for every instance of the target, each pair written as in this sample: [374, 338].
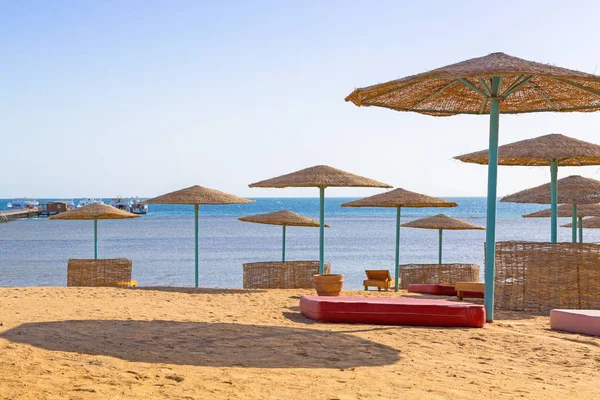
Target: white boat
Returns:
[87, 201]
[121, 203]
[137, 206]
[23, 203]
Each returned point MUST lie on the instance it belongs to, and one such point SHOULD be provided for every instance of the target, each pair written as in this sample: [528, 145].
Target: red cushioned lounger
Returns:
[439, 290]
[404, 311]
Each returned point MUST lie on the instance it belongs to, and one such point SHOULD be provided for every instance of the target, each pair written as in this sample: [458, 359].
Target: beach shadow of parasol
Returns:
[205, 344]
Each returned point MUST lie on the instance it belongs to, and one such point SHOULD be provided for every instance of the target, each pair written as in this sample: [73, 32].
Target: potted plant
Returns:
[328, 284]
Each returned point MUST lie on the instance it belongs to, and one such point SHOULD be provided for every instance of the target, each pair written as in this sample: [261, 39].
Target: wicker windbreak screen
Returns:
[438, 273]
[538, 276]
[103, 272]
[282, 275]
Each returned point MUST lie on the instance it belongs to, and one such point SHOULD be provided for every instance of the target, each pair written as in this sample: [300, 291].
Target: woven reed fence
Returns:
[438, 273]
[282, 275]
[538, 276]
[103, 272]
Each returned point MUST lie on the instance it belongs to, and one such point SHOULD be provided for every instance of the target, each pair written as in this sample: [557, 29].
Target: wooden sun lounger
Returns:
[380, 278]
[473, 287]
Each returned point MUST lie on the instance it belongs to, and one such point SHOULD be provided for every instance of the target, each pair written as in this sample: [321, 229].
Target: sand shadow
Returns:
[190, 290]
[205, 344]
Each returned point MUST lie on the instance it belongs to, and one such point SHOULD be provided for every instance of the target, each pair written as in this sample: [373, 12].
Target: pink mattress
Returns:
[576, 321]
[402, 311]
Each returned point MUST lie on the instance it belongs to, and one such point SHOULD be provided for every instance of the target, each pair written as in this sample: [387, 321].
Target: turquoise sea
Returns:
[34, 252]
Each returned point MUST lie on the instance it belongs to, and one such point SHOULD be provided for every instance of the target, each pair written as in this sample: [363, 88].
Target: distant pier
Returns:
[14, 214]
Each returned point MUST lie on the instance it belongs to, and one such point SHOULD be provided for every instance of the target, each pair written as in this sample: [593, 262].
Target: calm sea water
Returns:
[34, 252]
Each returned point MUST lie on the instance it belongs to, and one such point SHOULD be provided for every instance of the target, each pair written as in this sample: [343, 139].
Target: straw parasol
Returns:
[284, 218]
[566, 210]
[442, 222]
[397, 199]
[321, 176]
[95, 212]
[487, 85]
[573, 190]
[588, 223]
[198, 195]
[554, 150]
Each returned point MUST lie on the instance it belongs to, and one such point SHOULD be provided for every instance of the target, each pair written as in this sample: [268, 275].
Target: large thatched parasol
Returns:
[571, 190]
[320, 176]
[566, 210]
[397, 199]
[442, 222]
[95, 212]
[554, 150]
[487, 85]
[197, 195]
[284, 218]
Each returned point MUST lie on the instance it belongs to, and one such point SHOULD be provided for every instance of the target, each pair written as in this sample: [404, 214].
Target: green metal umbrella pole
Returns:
[283, 246]
[553, 202]
[580, 229]
[490, 222]
[397, 263]
[440, 249]
[196, 239]
[95, 238]
[322, 230]
[574, 223]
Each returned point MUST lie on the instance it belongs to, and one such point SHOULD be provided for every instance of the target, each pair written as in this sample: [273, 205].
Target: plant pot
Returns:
[328, 284]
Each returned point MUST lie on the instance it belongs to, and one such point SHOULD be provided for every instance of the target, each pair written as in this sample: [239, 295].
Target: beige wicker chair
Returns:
[281, 275]
[438, 273]
[104, 272]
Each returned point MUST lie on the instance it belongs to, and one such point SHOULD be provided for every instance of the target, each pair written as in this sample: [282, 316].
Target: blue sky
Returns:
[107, 98]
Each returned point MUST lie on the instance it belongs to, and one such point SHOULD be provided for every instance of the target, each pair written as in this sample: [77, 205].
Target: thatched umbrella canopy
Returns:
[588, 223]
[198, 195]
[284, 218]
[442, 222]
[321, 176]
[573, 190]
[566, 211]
[95, 212]
[554, 150]
[397, 199]
[487, 85]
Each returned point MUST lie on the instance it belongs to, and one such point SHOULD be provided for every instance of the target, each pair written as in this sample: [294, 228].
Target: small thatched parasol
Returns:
[487, 85]
[197, 195]
[573, 190]
[320, 176]
[397, 199]
[442, 222]
[588, 223]
[554, 150]
[566, 210]
[95, 212]
[284, 218]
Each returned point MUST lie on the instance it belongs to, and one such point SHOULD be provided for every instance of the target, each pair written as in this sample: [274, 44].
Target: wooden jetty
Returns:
[14, 214]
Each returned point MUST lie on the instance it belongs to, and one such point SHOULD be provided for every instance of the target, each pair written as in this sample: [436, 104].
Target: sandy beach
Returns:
[178, 343]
